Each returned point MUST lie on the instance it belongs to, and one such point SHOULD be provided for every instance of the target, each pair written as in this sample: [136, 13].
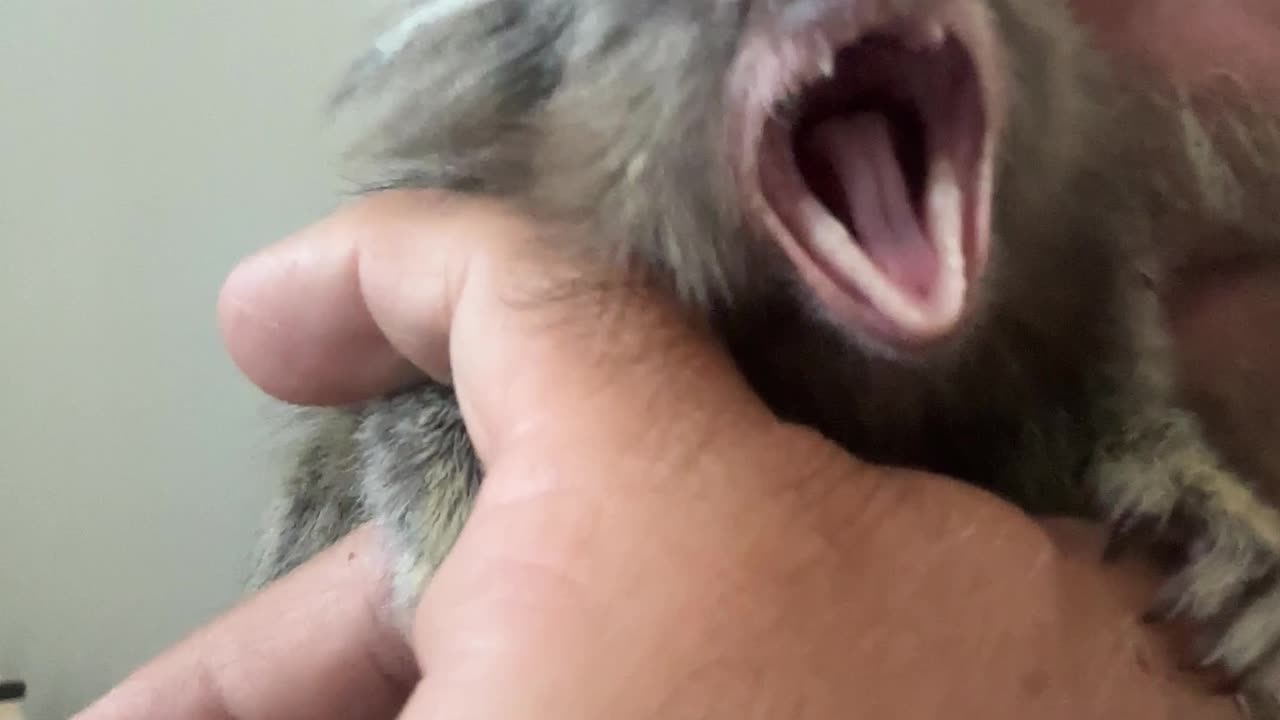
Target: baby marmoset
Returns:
[931, 229]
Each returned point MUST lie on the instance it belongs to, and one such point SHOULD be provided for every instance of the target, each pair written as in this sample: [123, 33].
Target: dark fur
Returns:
[1061, 396]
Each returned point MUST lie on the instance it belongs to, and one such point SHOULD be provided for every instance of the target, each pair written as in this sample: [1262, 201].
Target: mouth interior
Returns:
[888, 145]
[866, 164]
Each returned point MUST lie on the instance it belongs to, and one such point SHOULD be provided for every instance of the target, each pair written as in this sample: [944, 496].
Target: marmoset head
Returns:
[850, 147]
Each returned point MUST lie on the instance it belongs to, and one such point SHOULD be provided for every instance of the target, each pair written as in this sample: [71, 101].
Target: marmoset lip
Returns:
[780, 59]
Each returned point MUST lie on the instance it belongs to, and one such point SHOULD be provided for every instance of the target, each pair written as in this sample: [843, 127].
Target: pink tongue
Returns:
[859, 150]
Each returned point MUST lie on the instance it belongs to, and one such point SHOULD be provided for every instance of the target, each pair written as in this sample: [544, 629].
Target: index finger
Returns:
[313, 645]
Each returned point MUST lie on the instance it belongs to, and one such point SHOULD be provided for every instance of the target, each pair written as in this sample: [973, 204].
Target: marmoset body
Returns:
[934, 230]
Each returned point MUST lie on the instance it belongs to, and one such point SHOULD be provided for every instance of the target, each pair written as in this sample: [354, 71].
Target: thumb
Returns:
[465, 289]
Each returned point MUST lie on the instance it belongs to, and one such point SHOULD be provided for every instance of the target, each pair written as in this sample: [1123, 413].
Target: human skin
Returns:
[763, 589]
[650, 541]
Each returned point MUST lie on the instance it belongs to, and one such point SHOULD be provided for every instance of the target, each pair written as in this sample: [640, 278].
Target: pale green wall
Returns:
[145, 145]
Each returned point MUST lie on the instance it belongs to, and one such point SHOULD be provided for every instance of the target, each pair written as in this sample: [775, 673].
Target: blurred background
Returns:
[145, 146]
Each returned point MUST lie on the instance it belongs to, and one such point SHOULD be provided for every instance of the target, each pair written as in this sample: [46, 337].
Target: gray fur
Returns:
[417, 490]
[320, 502]
[609, 114]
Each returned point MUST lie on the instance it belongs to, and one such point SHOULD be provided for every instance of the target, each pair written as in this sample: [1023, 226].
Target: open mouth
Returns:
[872, 161]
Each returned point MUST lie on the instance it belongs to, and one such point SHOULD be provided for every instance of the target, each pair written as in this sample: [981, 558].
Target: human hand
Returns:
[649, 541]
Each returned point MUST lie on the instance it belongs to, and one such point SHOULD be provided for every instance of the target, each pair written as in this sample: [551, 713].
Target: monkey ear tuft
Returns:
[357, 76]
[394, 40]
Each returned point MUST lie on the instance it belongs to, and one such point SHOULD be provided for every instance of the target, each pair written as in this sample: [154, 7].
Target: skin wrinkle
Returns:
[633, 330]
[874, 512]
[1134, 644]
[685, 442]
[800, 568]
[654, 485]
[1116, 666]
[388, 659]
[369, 273]
[715, 673]
[697, 445]
[391, 660]
[209, 683]
[376, 641]
[559, 534]
[632, 342]
[504, 584]
[387, 683]
[1107, 678]
[307, 377]
[232, 668]
[722, 670]
[730, 564]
